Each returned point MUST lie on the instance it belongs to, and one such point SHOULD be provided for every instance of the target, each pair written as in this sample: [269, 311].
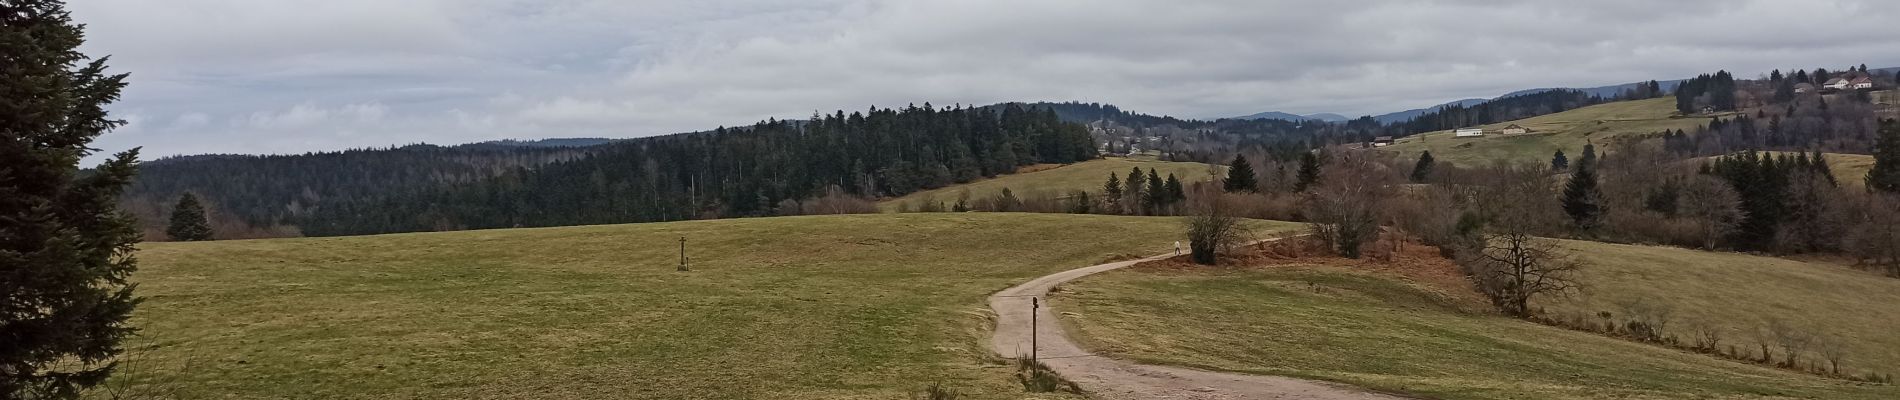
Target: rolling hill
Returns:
[1419, 330]
[1567, 131]
[1054, 180]
[836, 307]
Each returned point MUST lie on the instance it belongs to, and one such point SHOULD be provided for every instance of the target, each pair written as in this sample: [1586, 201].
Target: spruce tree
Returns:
[1309, 172]
[1137, 184]
[1885, 176]
[1583, 200]
[1820, 167]
[1157, 193]
[65, 247]
[1176, 193]
[1112, 192]
[1240, 176]
[1423, 170]
[1559, 162]
[188, 220]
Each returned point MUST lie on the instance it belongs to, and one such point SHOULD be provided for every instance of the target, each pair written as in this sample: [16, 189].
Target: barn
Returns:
[1468, 132]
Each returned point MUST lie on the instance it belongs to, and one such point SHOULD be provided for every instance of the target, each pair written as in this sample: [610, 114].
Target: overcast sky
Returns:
[279, 76]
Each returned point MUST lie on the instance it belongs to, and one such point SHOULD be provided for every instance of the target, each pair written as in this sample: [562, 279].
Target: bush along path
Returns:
[1107, 378]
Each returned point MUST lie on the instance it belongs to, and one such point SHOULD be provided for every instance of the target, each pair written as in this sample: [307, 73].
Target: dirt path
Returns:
[1107, 378]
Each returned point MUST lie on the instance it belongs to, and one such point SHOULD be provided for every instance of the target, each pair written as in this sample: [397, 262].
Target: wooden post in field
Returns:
[683, 253]
[1035, 304]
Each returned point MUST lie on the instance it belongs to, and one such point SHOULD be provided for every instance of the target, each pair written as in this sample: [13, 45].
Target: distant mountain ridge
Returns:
[1327, 117]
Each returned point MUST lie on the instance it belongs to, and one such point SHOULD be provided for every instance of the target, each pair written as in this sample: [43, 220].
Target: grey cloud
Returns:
[281, 76]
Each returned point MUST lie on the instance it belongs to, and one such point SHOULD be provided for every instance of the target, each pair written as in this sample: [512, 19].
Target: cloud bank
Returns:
[273, 76]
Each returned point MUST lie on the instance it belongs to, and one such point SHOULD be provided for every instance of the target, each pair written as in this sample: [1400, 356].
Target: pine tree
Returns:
[65, 247]
[1309, 172]
[1583, 200]
[1112, 193]
[1240, 176]
[1157, 193]
[1423, 170]
[1885, 176]
[1176, 193]
[1559, 162]
[1137, 184]
[1819, 164]
[188, 220]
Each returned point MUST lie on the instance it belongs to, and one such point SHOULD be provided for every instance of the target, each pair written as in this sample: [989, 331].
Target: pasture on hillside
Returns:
[1342, 321]
[833, 307]
[1054, 180]
[1741, 297]
[1568, 130]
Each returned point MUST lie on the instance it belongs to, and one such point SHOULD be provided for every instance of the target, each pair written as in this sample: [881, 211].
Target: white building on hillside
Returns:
[1468, 132]
[1515, 130]
[1836, 84]
[1861, 83]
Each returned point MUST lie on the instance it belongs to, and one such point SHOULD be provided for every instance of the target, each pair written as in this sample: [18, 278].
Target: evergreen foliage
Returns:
[1715, 91]
[1157, 194]
[731, 172]
[1309, 172]
[1112, 192]
[1762, 182]
[188, 221]
[1885, 176]
[1422, 171]
[1176, 193]
[1498, 110]
[1241, 177]
[1583, 199]
[1559, 162]
[65, 248]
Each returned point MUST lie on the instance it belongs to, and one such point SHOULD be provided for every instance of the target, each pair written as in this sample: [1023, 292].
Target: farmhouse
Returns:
[1803, 87]
[1861, 83]
[1514, 129]
[1382, 141]
[1836, 84]
[1468, 132]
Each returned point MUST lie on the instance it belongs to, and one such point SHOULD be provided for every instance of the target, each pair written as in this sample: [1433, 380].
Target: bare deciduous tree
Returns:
[1212, 228]
[1792, 341]
[1344, 205]
[1511, 264]
[1713, 205]
[1834, 350]
[1875, 241]
[1514, 267]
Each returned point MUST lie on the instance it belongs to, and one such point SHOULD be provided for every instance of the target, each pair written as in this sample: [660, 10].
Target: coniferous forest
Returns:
[757, 170]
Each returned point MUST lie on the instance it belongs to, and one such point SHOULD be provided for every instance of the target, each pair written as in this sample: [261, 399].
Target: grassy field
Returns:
[1088, 175]
[1742, 294]
[1344, 324]
[1850, 169]
[839, 307]
[1568, 131]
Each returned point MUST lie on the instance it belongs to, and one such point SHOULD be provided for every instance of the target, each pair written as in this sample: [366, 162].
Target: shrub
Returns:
[936, 391]
[1038, 378]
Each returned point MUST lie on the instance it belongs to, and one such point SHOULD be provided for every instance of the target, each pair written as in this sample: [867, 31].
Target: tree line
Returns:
[770, 168]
